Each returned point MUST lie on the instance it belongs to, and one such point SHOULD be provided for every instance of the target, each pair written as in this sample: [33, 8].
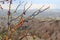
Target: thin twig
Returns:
[22, 13]
[18, 7]
[39, 11]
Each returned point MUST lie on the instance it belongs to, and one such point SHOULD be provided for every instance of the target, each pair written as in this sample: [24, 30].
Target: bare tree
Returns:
[11, 31]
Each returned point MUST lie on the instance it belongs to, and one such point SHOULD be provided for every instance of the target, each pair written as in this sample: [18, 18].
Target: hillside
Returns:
[42, 29]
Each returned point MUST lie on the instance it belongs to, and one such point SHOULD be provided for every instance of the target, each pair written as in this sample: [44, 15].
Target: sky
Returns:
[55, 4]
[36, 4]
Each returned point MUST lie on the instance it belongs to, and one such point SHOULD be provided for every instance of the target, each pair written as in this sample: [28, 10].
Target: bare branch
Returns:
[18, 7]
[22, 13]
[38, 11]
[25, 5]
[45, 9]
[35, 12]
[28, 7]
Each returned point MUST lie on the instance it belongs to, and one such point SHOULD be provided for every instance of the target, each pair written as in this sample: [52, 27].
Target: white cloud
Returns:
[34, 6]
[6, 6]
[37, 6]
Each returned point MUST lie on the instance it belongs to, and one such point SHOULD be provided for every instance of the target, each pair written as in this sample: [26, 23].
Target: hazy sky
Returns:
[54, 4]
[36, 4]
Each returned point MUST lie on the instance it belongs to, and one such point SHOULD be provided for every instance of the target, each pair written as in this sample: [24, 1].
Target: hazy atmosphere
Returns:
[53, 11]
[29, 19]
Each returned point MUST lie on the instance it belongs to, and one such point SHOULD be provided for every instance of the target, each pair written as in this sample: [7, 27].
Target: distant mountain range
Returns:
[47, 13]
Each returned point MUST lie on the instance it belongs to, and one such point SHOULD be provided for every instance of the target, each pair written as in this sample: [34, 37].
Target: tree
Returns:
[11, 31]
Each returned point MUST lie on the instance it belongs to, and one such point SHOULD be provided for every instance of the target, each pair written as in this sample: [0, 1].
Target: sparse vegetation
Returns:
[29, 28]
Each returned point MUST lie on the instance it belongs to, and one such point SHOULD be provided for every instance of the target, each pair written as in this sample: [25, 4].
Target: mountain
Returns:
[45, 14]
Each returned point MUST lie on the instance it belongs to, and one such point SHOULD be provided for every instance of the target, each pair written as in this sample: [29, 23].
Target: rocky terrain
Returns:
[47, 30]
[41, 29]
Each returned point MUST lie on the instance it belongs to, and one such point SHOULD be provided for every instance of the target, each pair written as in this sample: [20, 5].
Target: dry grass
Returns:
[42, 30]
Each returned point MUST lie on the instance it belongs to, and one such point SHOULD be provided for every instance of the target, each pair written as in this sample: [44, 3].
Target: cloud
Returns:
[37, 6]
[6, 6]
[34, 6]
